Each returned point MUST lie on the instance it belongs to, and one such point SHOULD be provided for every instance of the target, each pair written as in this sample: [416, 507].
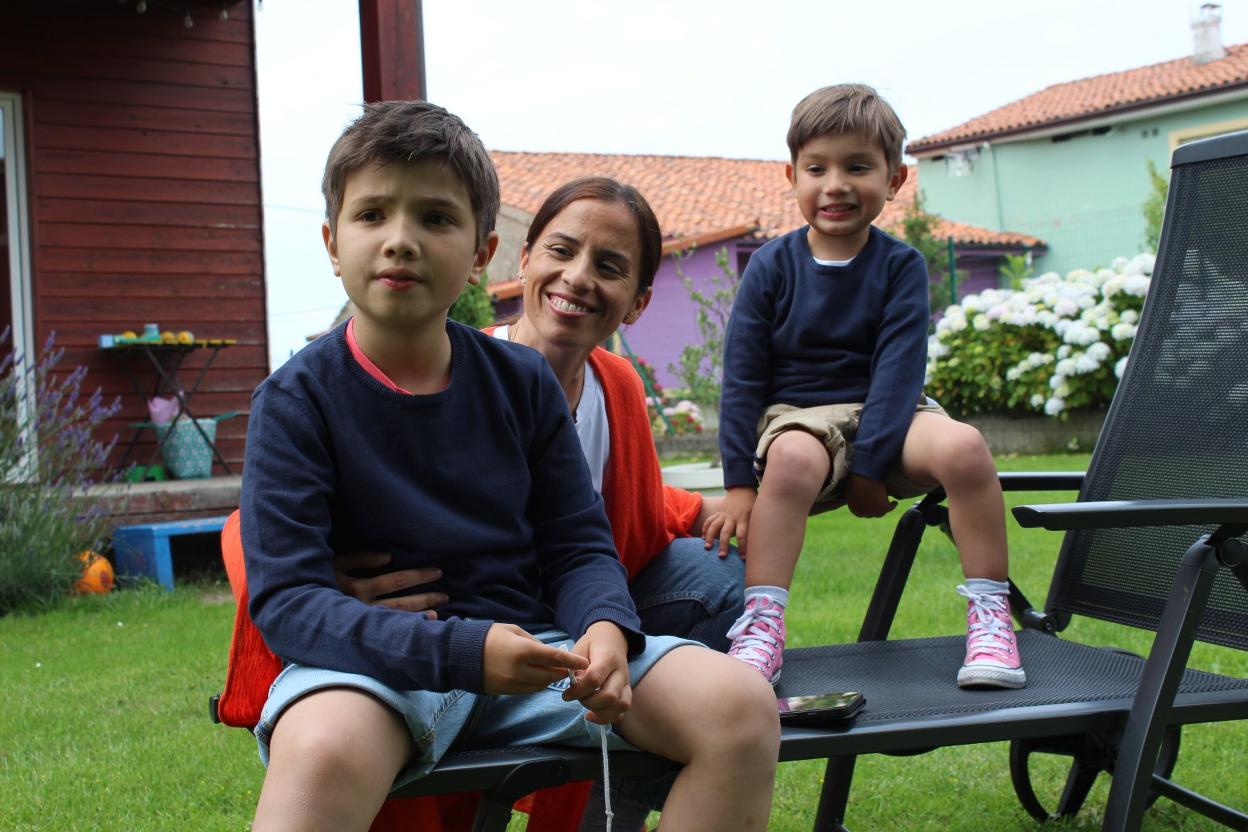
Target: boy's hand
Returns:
[368, 589]
[867, 497]
[515, 662]
[604, 688]
[733, 518]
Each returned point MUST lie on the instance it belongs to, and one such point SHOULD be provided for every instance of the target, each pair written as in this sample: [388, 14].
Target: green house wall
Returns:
[1082, 195]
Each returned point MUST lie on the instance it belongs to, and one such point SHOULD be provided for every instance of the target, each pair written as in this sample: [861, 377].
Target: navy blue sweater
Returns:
[484, 480]
[809, 335]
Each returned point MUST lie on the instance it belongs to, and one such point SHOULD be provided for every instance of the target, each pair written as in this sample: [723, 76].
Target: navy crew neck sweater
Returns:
[806, 334]
[484, 480]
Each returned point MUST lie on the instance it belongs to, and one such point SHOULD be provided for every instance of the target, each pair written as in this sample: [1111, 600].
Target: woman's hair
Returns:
[649, 239]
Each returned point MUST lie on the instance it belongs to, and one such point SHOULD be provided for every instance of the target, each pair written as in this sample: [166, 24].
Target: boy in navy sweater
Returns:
[401, 431]
[823, 402]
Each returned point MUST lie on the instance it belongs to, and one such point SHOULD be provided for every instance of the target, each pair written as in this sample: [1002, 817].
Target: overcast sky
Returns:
[689, 77]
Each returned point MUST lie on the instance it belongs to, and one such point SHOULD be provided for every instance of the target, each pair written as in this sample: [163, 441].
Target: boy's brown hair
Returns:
[411, 131]
[847, 108]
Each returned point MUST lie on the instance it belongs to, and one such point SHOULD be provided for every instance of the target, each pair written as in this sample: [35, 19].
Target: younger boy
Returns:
[374, 438]
[823, 400]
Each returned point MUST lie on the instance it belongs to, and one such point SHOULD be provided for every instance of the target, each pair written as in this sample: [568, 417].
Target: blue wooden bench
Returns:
[143, 550]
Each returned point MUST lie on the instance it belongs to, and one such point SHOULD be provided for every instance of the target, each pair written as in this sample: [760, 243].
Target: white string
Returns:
[606, 776]
[606, 764]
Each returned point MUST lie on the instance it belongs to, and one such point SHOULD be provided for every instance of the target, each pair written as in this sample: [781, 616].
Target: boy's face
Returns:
[406, 244]
[841, 183]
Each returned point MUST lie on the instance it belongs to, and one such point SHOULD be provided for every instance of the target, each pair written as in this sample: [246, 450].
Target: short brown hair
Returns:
[649, 238]
[411, 131]
[847, 108]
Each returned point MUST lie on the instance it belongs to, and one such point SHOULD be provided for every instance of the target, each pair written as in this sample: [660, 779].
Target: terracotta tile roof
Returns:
[1100, 95]
[705, 199]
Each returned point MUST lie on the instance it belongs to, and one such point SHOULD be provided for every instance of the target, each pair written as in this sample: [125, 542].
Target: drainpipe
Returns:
[996, 185]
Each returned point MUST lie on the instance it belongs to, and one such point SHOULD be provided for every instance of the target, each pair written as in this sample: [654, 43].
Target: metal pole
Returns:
[953, 273]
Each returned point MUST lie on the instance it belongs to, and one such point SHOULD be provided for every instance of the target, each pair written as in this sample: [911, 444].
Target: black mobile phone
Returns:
[819, 708]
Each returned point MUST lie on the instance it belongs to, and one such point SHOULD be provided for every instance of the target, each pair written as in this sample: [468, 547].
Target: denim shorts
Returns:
[467, 720]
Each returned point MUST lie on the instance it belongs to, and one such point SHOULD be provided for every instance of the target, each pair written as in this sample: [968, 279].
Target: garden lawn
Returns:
[105, 726]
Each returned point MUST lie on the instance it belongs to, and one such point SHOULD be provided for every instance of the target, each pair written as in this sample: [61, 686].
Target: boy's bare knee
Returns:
[797, 460]
[744, 715]
[340, 738]
[965, 456]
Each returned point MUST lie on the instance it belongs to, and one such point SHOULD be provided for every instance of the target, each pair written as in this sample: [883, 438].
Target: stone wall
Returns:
[1005, 435]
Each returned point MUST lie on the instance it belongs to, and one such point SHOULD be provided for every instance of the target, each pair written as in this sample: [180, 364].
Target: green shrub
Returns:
[473, 307]
[1057, 344]
[48, 455]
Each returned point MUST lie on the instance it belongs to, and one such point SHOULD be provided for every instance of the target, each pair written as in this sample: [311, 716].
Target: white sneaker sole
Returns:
[991, 677]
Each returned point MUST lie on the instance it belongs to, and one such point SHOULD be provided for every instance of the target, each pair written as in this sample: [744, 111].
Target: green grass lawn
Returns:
[104, 722]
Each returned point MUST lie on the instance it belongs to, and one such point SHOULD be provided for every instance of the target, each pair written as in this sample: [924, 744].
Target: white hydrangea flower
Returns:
[1123, 332]
[1099, 351]
[1063, 351]
[1054, 406]
[981, 323]
[1129, 316]
[1066, 367]
[1037, 401]
[1119, 264]
[1066, 307]
[1136, 285]
[1085, 363]
[1120, 367]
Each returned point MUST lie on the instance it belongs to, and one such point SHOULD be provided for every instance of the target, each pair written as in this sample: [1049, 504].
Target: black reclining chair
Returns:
[1155, 541]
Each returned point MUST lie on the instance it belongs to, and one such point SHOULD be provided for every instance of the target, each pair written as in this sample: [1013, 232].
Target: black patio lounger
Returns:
[1155, 541]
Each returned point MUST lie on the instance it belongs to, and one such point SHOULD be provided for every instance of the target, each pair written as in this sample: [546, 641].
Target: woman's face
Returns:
[581, 274]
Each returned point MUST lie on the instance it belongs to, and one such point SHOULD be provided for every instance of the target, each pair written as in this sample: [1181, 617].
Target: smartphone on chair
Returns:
[819, 708]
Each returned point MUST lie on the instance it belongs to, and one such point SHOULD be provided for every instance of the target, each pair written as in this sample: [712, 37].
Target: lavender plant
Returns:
[48, 459]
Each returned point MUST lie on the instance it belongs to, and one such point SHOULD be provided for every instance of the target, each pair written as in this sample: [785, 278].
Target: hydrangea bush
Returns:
[1055, 345]
[683, 417]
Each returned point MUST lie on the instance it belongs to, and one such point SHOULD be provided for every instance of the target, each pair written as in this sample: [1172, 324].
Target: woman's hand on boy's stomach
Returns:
[603, 688]
[515, 662]
[381, 589]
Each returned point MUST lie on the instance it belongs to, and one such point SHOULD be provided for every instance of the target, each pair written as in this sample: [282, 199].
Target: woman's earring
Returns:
[520, 277]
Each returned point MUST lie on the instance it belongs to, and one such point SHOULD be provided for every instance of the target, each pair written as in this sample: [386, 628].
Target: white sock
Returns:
[776, 594]
[987, 586]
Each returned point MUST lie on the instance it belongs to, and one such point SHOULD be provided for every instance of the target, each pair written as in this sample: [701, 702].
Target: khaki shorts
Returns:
[835, 425]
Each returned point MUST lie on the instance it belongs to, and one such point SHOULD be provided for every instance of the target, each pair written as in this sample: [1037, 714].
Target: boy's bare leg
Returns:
[940, 450]
[718, 717]
[332, 758]
[797, 468]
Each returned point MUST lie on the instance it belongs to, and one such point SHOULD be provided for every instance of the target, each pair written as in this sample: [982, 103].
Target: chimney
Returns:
[1207, 34]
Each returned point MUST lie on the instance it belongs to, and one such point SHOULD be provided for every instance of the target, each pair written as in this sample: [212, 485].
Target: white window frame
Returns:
[22, 338]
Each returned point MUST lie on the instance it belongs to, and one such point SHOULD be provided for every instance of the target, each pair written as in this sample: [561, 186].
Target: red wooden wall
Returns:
[144, 193]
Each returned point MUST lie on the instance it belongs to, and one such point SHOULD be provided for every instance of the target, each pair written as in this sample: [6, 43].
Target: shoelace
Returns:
[757, 630]
[989, 627]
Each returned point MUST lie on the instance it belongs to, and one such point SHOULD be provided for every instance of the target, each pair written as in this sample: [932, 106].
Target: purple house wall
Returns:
[669, 322]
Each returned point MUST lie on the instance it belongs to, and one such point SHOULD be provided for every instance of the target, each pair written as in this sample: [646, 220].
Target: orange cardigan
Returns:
[645, 517]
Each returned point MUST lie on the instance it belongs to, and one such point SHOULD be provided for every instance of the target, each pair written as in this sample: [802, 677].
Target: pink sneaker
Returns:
[991, 648]
[758, 637]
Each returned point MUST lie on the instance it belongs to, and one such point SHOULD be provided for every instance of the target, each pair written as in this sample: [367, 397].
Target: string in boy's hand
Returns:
[604, 688]
[515, 662]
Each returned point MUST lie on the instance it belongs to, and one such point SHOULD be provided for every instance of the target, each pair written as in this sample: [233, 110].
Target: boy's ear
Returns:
[898, 179]
[331, 246]
[788, 174]
[485, 253]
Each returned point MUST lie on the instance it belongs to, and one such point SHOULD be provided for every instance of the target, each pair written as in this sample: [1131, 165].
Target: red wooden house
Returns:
[132, 191]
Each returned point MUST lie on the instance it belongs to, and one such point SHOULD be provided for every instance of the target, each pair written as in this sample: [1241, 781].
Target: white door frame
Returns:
[22, 338]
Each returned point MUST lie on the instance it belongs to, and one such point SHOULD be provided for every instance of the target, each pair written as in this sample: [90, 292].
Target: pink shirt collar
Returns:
[367, 363]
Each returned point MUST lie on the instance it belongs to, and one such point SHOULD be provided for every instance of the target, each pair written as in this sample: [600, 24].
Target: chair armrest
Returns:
[1118, 514]
[1041, 480]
